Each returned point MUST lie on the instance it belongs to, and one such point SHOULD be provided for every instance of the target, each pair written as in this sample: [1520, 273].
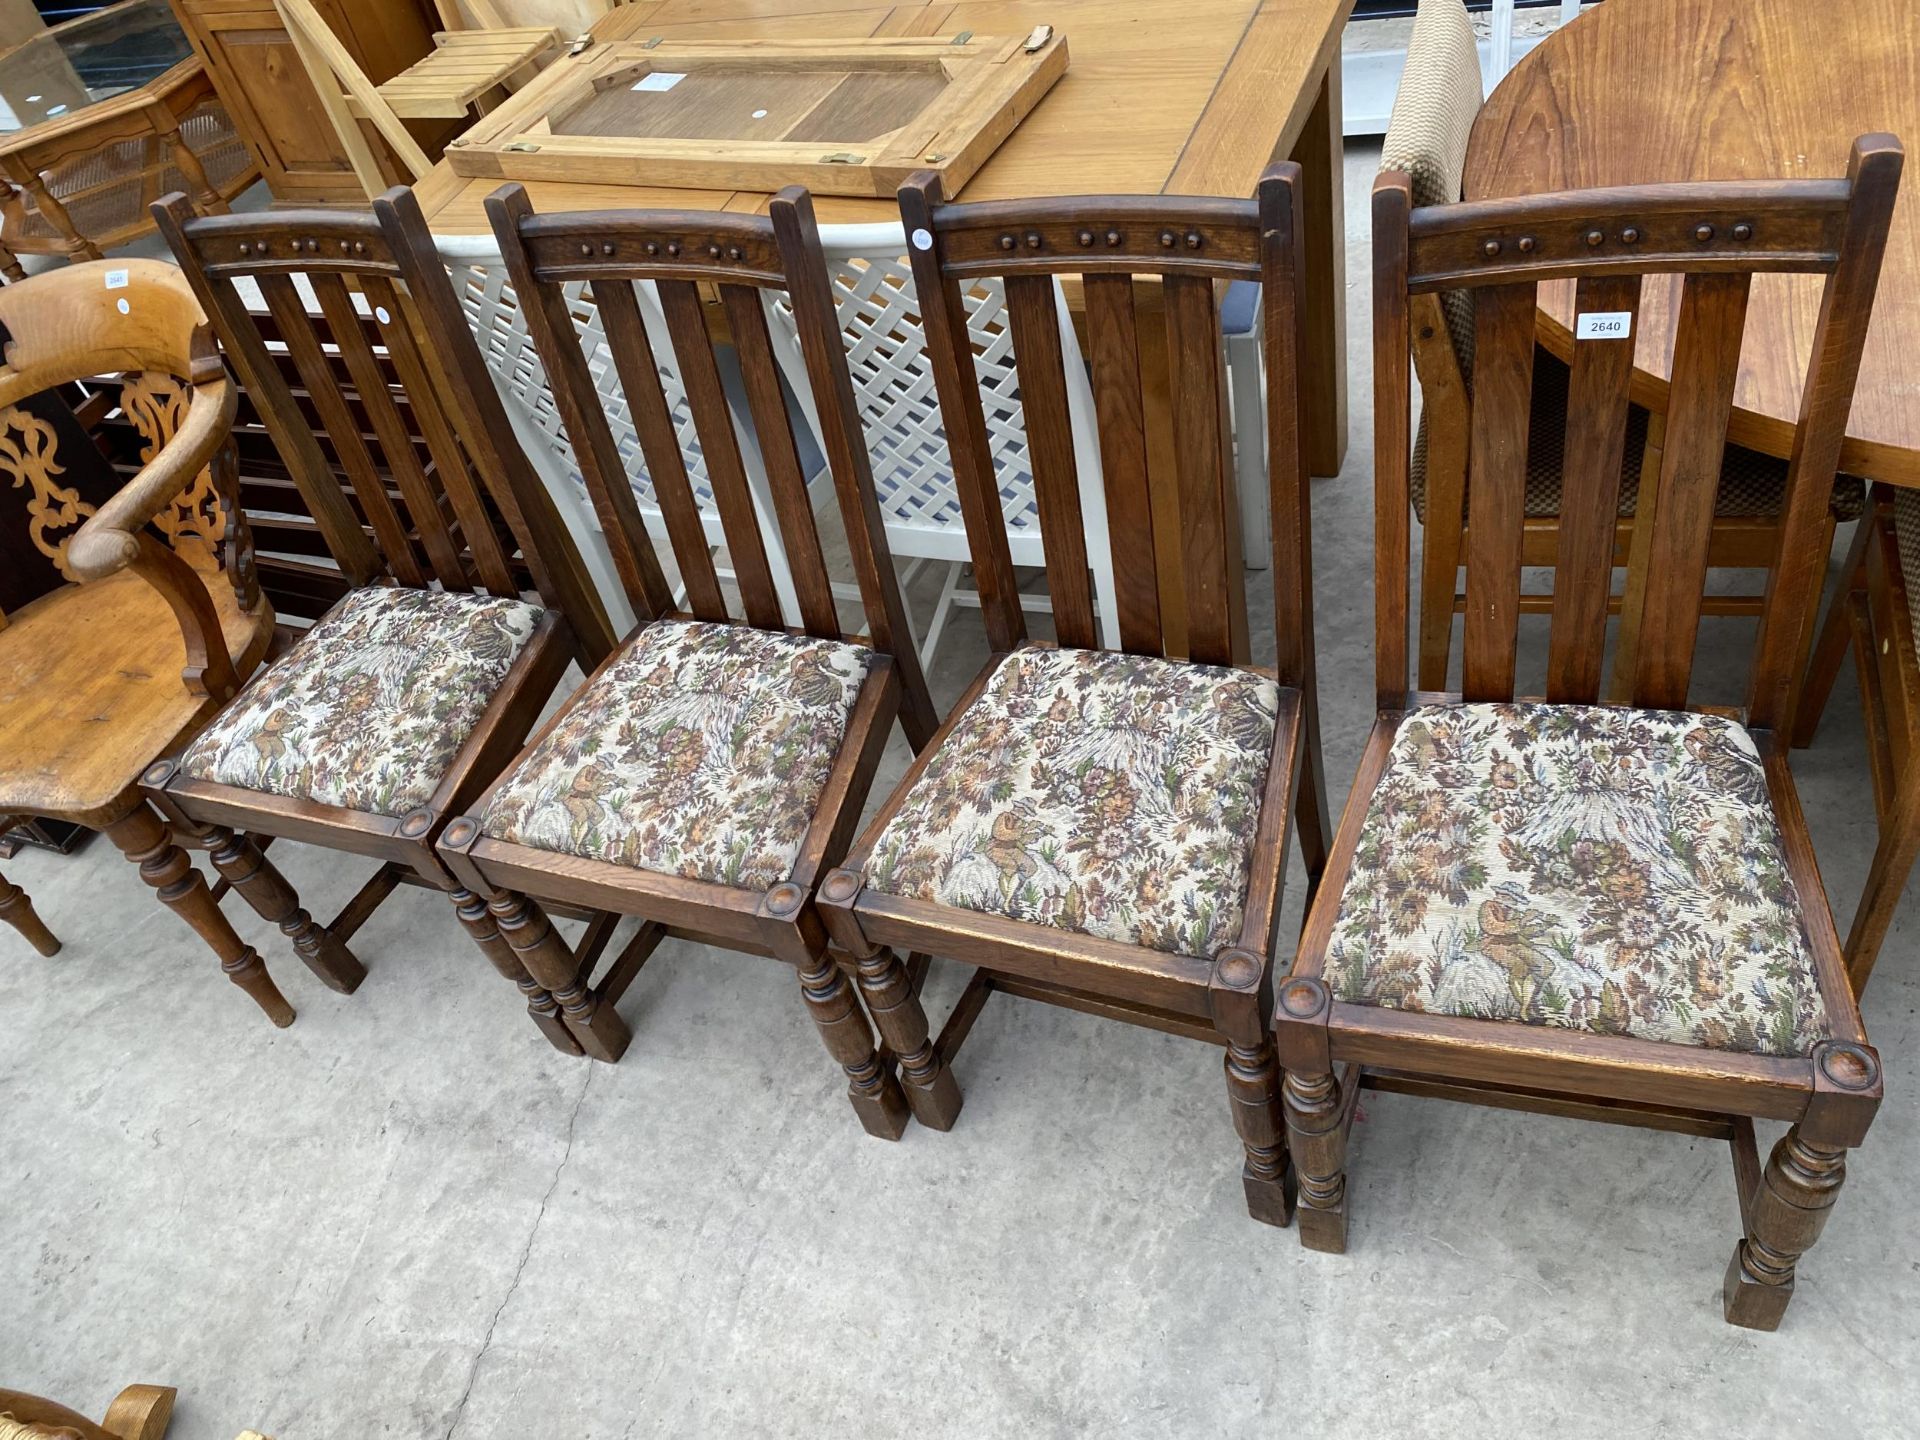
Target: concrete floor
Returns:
[407, 1216]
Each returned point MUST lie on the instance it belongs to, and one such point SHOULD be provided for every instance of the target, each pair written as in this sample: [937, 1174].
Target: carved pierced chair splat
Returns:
[1107, 830]
[130, 605]
[408, 695]
[715, 767]
[1610, 912]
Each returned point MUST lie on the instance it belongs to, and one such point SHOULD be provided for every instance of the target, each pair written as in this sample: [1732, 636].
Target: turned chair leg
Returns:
[932, 1092]
[242, 865]
[542, 1008]
[872, 1088]
[1784, 1218]
[1317, 1137]
[602, 1034]
[143, 837]
[1253, 1086]
[17, 910]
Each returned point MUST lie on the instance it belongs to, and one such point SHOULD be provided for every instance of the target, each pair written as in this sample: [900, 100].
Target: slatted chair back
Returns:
[1190, 248]
[745, 260]
[498, 321]
[872, 279]
[1715, 238]
[358, 314]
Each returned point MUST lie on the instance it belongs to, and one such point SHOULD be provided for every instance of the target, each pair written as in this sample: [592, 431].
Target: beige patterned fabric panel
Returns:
[1427, 133]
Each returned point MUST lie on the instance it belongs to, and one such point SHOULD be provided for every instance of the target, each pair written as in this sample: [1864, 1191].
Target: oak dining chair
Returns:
[1107, 830]
[1427, 138]
[1607, 912]
[422, 680]
[713, 768]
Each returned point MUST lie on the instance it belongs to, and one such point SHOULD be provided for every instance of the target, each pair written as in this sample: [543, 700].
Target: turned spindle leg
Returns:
[932, 1092]
[1317, 1136]
[1253, 1086]
[260, 883]
[541, 1006]
[143, 837]
[875, 1093]
[17, 910]
[1784, 1218]
[602, 1034]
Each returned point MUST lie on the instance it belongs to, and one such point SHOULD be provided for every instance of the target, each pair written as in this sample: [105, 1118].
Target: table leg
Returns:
[1321, 152]
[192, 171]
[77, 246]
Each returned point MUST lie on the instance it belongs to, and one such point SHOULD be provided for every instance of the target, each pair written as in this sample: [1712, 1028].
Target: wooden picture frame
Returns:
[945, 105]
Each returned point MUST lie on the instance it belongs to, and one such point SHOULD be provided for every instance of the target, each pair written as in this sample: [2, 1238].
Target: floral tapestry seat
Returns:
[369, 708]
[701, 751]
[1107, 794]
[1614, 871]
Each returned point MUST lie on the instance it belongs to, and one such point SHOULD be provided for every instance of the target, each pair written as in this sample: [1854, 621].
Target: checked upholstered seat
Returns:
[1107, 794]
[368, 709]
[1608, 870]
[702, 752]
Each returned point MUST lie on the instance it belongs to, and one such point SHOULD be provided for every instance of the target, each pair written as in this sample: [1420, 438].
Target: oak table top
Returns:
[1189, 98]
[1636, 91]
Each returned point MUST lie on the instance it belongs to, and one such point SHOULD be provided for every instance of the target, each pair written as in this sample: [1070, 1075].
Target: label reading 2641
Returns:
[1603, 325]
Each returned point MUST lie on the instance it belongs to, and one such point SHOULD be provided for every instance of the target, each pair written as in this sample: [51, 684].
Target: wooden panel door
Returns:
[263, 85]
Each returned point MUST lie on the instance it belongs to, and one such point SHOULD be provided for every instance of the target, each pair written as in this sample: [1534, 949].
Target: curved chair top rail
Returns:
[1742, 226]
[102, 317]
[1217, 239]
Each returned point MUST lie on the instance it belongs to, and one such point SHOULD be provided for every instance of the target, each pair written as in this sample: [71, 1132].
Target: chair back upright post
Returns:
[1715, 238]
[1190, 249]
[369, 323]
[743, 258]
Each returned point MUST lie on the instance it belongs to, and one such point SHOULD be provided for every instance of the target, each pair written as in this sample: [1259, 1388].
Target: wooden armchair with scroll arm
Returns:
[129, 613]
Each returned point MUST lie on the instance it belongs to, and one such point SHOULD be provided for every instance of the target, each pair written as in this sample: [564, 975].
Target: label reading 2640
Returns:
[1603, 325]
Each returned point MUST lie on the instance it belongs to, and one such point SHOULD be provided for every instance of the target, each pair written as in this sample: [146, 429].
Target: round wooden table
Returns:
[1636, 91]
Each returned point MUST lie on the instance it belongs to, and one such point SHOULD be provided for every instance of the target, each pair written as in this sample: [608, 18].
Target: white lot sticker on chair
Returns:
[659, 80]
[1603, 325]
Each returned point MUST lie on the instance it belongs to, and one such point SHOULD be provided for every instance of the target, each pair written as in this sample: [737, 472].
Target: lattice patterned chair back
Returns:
[493, 311]
[886, 347]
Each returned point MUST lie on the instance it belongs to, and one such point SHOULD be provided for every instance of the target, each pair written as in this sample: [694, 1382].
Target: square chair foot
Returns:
[935, 1099]
[1323, 1230]
[1750, 1303]
[1269, 1201]
[883, 1113]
